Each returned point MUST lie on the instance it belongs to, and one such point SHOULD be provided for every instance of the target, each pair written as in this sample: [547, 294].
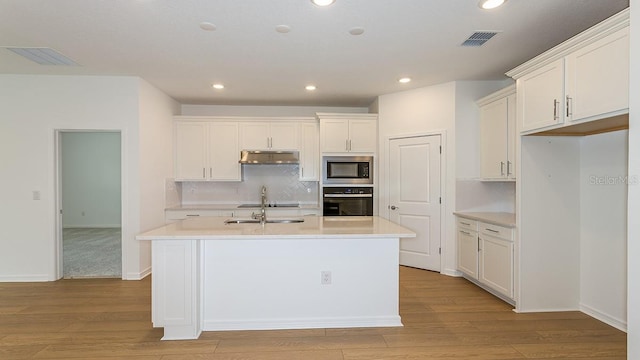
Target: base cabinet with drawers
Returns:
[485, 255]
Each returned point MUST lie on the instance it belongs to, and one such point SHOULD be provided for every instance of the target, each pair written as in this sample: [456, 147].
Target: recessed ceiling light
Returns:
[323, 2]
[310, 87]
[404, 80]
[490, 4]
[208, 26]
[283, 29]
[356, 31]
[218, 86]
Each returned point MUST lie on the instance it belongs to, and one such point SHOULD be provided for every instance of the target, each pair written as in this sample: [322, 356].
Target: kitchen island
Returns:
[324, 272]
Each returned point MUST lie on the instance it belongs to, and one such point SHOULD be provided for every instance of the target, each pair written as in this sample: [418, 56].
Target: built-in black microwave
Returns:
[347, 170]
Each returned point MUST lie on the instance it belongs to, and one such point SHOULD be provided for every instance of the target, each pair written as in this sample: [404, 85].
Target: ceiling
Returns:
[162, 42]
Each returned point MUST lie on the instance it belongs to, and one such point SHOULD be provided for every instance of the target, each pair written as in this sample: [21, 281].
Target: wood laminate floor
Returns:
[444, 318]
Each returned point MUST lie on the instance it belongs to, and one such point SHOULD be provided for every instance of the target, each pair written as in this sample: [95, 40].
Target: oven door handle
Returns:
[348, 195]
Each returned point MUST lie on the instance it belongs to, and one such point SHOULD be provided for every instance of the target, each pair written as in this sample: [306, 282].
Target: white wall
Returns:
[90, 173]
[443, 108]
[156, 111]
[231, 110]
[33, 108]
[549, 244]
[633, 214]
[603, 230]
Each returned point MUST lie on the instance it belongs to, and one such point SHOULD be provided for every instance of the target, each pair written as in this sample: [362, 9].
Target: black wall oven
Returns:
[347, 201]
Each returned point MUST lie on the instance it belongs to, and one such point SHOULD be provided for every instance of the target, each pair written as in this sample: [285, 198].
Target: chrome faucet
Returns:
[263, 205]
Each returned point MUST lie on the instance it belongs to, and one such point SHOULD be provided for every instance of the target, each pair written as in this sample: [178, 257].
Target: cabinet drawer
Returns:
[464, 223]
[498, 231]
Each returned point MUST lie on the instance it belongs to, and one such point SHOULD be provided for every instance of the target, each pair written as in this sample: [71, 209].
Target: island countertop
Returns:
[313, 227]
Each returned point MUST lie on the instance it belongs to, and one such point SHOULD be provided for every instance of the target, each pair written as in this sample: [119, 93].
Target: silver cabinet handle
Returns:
[193, 214]
[393, 207]
[464, 223]
[211, 172]
[555, 109]
[508, 168]
[493, 231]
[465, 232]
[569, 101]
[204, 174]
[502, 168]
[349, 144]
[346, 145]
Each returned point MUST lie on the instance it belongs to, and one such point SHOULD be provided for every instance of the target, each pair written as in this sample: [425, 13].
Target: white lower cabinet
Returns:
[485, 255]
[468, 247]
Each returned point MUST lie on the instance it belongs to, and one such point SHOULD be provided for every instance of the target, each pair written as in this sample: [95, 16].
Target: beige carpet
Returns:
[92, 253]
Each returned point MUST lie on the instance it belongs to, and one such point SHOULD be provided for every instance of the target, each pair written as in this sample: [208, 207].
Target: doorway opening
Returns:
[89, 204]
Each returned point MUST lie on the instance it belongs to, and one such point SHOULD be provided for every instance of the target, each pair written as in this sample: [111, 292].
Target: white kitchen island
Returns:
[326, 272]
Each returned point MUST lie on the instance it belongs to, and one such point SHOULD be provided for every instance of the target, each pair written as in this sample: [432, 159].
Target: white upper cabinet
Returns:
[190, 151]
[224, 151]
[540, 95]
[309, 152]
[348, 133]
[598, 78]
[269, 135]
[583, 79]
[497, 135]
[207, 151]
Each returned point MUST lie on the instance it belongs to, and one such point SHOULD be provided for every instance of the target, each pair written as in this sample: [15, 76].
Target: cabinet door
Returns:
[309, 152]
[334, 135]
[598, 77]
[190, 151]
[496, 264]
[511, 136]
[541, 97]
[284, 136]
[363, 135]
[493, 139]
[255, 136]
[468, 252]
[224, 151]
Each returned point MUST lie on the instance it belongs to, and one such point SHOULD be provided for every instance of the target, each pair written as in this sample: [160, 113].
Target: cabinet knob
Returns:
[393, 207]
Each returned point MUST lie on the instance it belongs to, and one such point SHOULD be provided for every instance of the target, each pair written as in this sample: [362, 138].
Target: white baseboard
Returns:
[138, 275]
[302, 323]
[450, 272]
[26, 278]
[607, 319]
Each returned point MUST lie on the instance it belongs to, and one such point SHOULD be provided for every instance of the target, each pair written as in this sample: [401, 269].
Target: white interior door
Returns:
[414, 198]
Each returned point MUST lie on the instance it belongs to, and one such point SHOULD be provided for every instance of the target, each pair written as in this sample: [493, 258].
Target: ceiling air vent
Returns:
[478, 38]
[43, 56]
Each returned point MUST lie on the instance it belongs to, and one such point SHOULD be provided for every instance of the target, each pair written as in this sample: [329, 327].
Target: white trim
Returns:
[58, 255]
[303, 323]
[443, 186]
[509, 90]
[25, 278]
[594, 33]
[137, 275]
[619, 324]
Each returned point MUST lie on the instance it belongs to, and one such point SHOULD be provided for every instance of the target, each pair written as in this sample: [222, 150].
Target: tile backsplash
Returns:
[281, 181]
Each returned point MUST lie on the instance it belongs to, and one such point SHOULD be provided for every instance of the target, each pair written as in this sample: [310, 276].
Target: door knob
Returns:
[393, 207]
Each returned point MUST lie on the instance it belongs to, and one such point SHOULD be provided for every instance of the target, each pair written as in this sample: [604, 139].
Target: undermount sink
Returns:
[269, 221]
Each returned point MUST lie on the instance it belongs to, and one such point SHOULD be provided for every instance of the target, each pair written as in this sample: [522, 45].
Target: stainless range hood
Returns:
[268, 157]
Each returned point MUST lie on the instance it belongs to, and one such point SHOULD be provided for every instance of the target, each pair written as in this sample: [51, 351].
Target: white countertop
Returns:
[313, 227]
[498, 218]
[236, 207]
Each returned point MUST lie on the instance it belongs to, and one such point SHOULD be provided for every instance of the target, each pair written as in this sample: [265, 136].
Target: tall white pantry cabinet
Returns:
[572, 112]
